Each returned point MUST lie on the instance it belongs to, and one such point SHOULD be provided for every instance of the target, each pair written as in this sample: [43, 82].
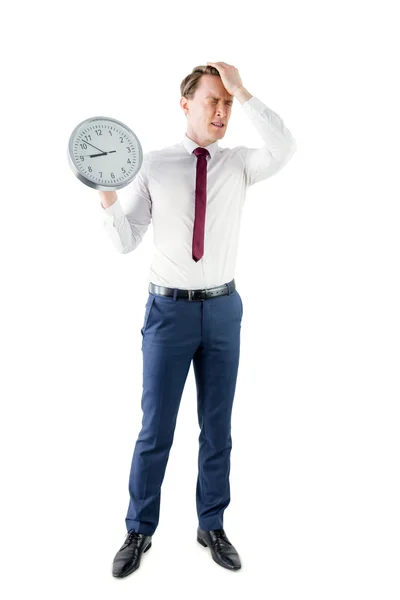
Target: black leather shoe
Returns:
[222, 550]
[128, 556]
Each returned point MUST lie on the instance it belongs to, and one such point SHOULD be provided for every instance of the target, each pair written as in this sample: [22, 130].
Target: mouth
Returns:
[218, 125]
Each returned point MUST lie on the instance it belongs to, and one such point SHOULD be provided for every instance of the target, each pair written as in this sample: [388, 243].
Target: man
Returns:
[194, 193]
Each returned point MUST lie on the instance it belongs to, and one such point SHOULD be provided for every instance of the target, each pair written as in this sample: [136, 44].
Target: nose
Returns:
[221, 112]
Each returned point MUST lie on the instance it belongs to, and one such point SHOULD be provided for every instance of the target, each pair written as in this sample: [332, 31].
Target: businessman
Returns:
[193, 192]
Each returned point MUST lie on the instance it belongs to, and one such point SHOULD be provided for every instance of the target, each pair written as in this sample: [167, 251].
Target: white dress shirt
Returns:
[164, 192]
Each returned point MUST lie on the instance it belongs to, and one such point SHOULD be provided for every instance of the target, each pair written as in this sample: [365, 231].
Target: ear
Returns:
[184, 105]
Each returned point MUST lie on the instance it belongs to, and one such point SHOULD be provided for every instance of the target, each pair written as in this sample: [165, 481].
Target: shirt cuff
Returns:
[252, 104]
[113, 211]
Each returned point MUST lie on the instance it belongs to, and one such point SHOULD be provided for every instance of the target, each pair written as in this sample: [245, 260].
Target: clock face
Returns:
[104, 153]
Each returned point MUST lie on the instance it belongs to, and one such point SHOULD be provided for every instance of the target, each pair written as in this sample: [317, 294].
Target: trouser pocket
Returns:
[149, 304]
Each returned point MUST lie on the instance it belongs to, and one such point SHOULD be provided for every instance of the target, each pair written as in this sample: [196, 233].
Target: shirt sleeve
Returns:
[127, 219]
[279, 144]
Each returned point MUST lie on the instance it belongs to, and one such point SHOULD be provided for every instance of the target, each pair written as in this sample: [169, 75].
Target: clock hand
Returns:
[101, 154]
[85, 142]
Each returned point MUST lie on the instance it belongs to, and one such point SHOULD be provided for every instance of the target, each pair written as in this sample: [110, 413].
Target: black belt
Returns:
[221, 290]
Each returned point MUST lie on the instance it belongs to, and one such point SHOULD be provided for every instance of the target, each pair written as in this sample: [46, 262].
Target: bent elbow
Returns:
[134, 243]
[126, 249]
[289, 152]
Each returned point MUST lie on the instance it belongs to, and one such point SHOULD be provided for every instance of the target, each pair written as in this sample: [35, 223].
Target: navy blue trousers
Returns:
[175, 332]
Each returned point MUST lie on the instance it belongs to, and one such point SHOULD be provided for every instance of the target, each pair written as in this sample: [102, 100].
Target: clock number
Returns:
[84, 146]
[99, 131]
[123, 170]
[112, 175]
[129, 161]
[128, 148]
[122, 140]
[82, 158]
[89, 169]
[101, 173]
[109, 132]
[88, 137]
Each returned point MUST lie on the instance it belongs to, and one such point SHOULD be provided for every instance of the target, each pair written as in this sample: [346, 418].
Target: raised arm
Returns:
[279, 144]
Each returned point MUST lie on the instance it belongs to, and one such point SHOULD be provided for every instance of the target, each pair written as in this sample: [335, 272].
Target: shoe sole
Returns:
[202, 542]
[135, 567]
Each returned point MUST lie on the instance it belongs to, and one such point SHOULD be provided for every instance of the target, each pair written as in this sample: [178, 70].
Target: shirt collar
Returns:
[190, 145]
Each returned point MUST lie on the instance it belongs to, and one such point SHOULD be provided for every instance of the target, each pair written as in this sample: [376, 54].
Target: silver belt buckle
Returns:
[191, 295]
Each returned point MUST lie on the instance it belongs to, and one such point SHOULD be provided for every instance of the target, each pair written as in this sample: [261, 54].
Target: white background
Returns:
[315, 426]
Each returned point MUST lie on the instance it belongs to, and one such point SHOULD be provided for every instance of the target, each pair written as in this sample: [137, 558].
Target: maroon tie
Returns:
[200, 203]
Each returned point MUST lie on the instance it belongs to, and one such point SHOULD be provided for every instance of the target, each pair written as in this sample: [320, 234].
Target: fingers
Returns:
[218, 64]
[221, 65]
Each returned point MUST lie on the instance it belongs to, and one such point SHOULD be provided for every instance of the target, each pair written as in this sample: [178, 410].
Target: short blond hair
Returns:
[191, 82]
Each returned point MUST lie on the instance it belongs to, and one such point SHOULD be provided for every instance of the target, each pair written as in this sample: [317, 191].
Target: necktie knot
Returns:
[201, 152]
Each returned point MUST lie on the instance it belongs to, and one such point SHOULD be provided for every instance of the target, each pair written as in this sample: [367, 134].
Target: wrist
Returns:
[242, 95]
